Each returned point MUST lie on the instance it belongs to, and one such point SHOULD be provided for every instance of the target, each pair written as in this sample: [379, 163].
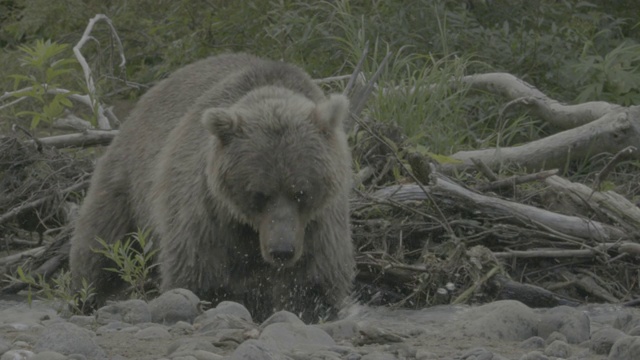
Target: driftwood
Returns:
[102, 114]
[531, 295]
[611, 133]
[84, 139]
[524, 94]
[608, 203]
[571, 226]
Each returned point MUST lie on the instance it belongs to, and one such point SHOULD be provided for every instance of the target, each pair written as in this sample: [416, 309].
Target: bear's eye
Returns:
[259, 200]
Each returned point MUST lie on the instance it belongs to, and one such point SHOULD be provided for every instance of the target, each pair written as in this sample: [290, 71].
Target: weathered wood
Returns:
[524, 94]
[86, 138]
[610, 133]
[611, 204]
[573, 226]
[534, 296]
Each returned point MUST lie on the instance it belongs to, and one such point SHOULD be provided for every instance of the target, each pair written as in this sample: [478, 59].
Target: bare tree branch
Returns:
[86, 138]
[611, 133]
[552, 111]
[103, 121]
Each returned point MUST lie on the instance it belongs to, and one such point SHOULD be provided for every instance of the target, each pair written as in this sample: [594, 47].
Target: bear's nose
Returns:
[282, 253]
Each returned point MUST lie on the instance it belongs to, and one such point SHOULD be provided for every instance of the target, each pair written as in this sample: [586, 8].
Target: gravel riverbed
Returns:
[172, 327]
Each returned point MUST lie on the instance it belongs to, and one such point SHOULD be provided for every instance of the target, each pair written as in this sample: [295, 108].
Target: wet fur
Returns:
[187, 165]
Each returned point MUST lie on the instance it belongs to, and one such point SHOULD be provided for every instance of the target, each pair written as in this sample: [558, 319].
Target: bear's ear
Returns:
[222, 123]
[332, 113]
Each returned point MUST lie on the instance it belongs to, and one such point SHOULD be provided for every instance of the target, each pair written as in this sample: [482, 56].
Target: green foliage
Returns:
[614, 77]
[43, 69]
[426, 101]
[132, 259]
[572, 51]
[58, 289]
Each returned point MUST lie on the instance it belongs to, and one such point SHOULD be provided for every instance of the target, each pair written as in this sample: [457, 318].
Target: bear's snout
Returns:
[281, 233]
[282, 253]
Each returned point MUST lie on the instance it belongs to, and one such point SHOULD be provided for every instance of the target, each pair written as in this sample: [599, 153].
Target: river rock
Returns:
[211, 324]
[559, 349]
[627, 348]
[377, 355]
[603, 339]
[19, 354]
[49, 355]
[281, 316]
[84, 321]
[627, 322]
[228, 308]
[500, 320]
[4, 345]
[572, 323]
[341, 329]
[285, 337]
[534, 342]
[67, 338]
[129, 311]
[173, 306]
[534, 355]
[153, 332]
[256, 350]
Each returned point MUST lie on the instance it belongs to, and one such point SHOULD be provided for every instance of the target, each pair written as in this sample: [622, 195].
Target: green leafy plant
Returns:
[40, 82]
[133, 260]
[58, 289]
[613, 77]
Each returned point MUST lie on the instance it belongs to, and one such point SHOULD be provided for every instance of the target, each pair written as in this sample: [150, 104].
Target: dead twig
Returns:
[512, 181]
[40, 201]
[623, 154]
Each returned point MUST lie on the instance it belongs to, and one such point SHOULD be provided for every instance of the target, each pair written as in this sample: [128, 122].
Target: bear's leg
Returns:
[105, 214]
[331, 268]
[189, 257]
[298, 291]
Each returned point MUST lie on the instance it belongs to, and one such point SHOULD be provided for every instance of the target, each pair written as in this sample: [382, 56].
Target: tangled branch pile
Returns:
[38, 194]
[424, 239]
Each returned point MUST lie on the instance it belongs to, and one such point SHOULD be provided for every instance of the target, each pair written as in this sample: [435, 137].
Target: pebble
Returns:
[534, 355]
[17, 355]
[603, 339]
[281, 316]
[4, 346]
[626, 348]
[174, 306]
[255, 350]
[555, 336]
[559, 349]
[284, 337]
[129, 311]
[341, 329]
[572, 323]
[173, 327]
[534, 342]
[68, 338]
[49, 355]
[83, 320]
[153, 332]
[501, 320]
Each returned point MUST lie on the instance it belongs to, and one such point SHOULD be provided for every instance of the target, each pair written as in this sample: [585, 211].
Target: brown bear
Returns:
[240, 168]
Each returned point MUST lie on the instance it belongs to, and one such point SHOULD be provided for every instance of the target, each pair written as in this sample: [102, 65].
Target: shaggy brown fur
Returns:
[241, 169]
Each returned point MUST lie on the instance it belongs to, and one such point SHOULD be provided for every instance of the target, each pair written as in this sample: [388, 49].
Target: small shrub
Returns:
[58, 289]
[132, 259]
[43, 70]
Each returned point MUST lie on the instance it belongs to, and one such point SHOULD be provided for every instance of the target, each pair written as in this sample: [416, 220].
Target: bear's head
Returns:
[279, 160]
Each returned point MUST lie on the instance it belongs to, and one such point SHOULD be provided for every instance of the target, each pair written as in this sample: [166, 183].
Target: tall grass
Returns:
[432, 42]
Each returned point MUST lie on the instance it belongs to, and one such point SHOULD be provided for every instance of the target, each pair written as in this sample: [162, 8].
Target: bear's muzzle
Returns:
[281, 233]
